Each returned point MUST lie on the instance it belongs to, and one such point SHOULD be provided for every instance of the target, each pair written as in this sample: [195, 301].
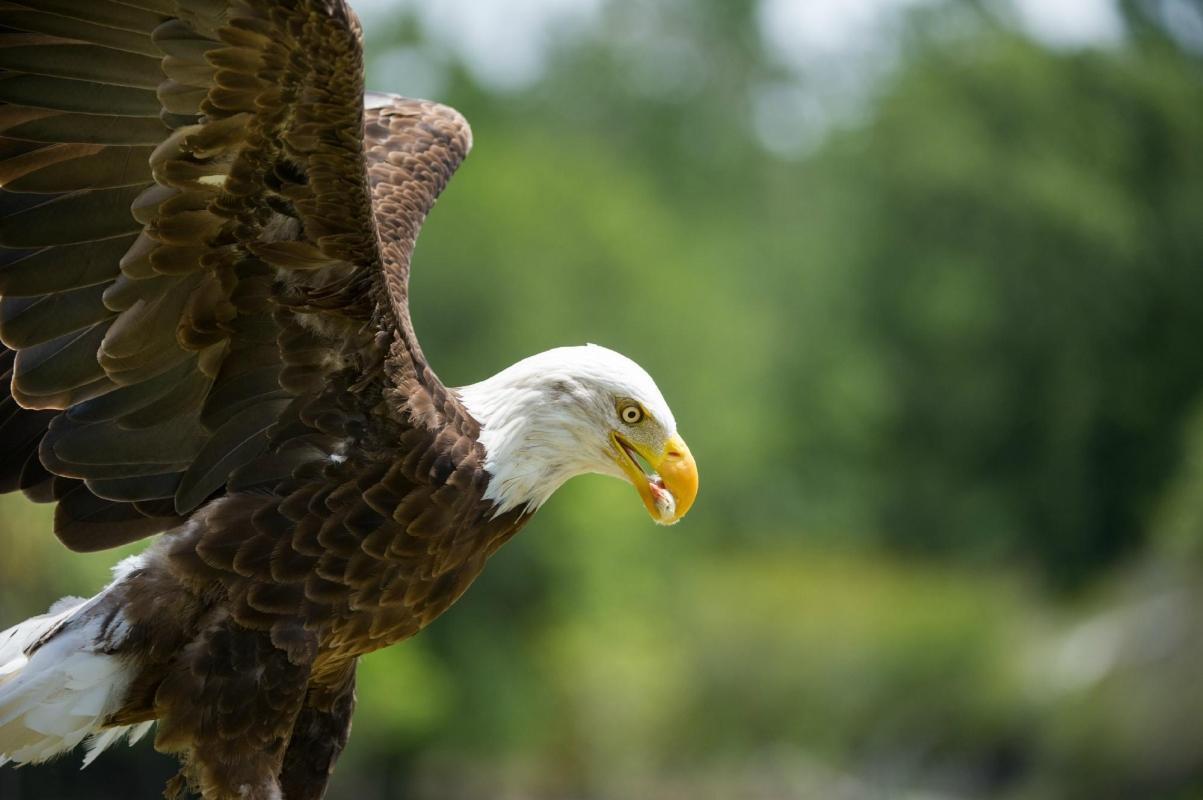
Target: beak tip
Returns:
[680, 475]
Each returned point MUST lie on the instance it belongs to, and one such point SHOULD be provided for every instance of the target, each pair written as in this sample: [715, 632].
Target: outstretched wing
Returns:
[198, 296]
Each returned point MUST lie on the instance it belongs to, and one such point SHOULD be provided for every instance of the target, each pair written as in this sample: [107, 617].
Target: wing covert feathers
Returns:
[195, 281]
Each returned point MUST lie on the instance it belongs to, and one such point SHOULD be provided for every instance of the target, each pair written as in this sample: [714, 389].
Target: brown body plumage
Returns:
[207, 238]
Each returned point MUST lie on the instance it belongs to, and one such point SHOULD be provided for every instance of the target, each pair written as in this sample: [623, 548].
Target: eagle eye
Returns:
[631, 414]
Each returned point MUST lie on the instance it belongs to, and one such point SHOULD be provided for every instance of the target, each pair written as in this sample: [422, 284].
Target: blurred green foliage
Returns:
[1037, 295]
[942, 378]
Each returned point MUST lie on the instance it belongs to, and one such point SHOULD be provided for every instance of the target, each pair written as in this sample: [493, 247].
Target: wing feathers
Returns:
[78, 30]
[87, 97]
[17, 165]
[54, 58]
[43, 125]
[194, 270]
[126, 400]
[60, 372]
[55, 269]
[136, 489]
[82, 216]
[89, 451]
[26, 321]
[161, 7]
[66, 167]
[236, 442]
[86, 523]
[128, 16]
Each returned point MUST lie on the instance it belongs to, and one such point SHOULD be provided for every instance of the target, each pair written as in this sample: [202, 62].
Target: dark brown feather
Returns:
[85, 97]
[211, 243]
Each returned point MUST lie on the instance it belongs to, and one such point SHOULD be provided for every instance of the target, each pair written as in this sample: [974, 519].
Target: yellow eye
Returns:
[631, 414]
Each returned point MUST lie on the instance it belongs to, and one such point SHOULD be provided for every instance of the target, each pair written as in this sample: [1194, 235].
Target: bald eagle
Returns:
[206, 234]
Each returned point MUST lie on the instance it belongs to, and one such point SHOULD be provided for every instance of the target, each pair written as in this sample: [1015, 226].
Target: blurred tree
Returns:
[1159, 23]
[1031, 276]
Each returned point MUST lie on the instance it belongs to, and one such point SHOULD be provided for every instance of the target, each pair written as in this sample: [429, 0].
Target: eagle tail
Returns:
[57, 686]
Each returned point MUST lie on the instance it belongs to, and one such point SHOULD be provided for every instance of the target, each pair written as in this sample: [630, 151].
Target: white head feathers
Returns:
[548, 418]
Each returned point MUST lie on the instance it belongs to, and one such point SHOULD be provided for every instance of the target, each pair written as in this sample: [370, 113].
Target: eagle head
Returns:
[577, 410]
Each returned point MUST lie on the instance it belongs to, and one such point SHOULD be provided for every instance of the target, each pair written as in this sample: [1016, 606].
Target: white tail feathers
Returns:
[54, 697]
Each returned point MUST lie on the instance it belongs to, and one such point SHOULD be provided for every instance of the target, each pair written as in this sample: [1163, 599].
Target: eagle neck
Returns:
[535, 434]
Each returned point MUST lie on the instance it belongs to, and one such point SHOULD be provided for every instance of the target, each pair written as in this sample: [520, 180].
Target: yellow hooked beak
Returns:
[671, 488]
